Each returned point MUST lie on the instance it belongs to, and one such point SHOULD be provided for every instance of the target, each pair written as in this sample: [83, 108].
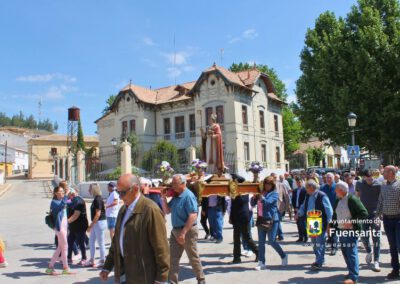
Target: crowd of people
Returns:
[350, 207]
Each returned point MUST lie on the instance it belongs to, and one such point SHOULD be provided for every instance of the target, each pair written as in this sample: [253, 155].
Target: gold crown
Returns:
[314, 213]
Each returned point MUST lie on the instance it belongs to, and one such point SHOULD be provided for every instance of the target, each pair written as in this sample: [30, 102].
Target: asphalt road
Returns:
[29, 248]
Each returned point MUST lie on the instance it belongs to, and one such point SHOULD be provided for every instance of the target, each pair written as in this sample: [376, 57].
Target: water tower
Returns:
[72, 135]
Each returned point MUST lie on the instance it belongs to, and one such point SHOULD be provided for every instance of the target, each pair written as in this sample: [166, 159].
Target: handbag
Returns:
[264, 223]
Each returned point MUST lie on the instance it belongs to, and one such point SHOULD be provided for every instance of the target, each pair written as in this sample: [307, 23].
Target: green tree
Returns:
[353, 64]
[315, 155]
[80, 142]
[162, 151]
[292, 129]
[279, 86]
[109, 103]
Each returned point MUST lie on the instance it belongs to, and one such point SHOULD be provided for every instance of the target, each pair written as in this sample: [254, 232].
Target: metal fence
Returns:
[98, 167]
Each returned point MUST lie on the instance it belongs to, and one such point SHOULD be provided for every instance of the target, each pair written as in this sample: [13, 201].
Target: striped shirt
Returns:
[389, 199]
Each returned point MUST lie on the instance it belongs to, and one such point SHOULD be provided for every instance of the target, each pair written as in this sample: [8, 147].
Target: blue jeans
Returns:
[319, 248]
[280, 232]
[251, 224]
[216, 220]
[372, 228]
[97, 233]
[349, 246]
[262, 235]
[392, 229]
[111, 222]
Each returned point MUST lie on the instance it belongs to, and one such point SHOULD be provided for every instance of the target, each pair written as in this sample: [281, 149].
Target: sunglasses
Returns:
[122, 193]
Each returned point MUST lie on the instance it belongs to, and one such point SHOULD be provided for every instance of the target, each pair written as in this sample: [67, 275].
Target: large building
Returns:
[249, 112]
[48, 155]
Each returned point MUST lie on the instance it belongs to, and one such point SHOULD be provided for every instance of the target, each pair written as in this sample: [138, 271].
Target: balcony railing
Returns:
[167, 136]
[245, 127]
[180, 135]
[276, 133]
[262, 130]
[193, 133]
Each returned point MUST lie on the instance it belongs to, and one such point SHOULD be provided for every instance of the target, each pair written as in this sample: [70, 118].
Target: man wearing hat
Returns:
[112, 208]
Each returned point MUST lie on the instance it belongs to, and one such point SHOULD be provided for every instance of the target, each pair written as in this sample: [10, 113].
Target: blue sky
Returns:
[80, 52]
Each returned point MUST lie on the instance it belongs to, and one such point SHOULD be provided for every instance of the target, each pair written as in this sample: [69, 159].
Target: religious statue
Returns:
[212, 146]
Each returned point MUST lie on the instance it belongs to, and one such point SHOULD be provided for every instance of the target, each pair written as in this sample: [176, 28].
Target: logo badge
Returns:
[314, 223]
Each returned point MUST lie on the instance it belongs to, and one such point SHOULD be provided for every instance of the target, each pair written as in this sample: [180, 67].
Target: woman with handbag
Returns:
[268, 221]
[59, 213]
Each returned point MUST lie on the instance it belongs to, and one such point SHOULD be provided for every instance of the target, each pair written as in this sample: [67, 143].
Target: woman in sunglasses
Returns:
[267, 207]
[98, 226]
[58, 209]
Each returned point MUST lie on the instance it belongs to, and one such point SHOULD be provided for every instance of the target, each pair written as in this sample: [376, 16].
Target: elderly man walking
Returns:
[348, 216]
[139, 249]
[317, 200]
[369, 190]
[389, 208]
[183, 208]
[329, 189]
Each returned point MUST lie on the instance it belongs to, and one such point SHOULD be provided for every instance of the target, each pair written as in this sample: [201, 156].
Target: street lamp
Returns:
[352, 120]
[114, 142]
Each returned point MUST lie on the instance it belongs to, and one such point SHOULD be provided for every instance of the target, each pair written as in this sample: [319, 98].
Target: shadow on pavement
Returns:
[40, 246]
[20, 275]
[41, 263]
[95, 280]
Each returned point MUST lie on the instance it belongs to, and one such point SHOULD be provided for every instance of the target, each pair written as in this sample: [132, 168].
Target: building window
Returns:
[264, 153]
[276, 125]
[167, 129]
[246, 151]
[192, 125]
[124, 129]
[244, 118]
[278, 154]
[179, 127]
[132, 126]
[262, 122]
[209, 111]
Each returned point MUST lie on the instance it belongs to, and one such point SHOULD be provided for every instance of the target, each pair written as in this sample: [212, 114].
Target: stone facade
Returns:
[247, 109]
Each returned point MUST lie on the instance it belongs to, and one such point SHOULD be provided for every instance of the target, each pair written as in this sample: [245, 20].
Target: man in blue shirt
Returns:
[317, 200]
[184, 235]
[329, 189]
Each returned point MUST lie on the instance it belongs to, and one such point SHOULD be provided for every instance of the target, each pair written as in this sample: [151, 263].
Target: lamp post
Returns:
[114, 142]
[352, 120]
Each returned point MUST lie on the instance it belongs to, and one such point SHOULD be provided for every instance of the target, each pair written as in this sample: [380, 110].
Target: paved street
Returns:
[28, 240]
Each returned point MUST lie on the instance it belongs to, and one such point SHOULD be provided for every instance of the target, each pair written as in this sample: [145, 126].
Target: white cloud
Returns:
[178, 58]
[173, 72]
[148, 41]
[149, 62]
[43, 78]
[58, 92]
[248, 34]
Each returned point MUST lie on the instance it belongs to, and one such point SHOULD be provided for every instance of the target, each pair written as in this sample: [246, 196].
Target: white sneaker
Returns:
[249, 253]
[285, 260]
[368, 258]
[260, 266]
[4, 264]
[376, 267]
[245, 253]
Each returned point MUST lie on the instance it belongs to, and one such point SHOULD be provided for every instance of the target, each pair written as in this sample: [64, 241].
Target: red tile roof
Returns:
[180, 92]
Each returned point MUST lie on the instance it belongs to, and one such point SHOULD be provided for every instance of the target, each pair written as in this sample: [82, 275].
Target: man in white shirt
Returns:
[112, 208]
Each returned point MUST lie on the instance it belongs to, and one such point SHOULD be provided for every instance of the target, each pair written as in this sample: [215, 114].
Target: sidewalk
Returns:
[4, 188]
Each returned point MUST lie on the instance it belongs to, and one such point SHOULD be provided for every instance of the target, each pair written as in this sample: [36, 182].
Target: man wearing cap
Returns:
[112, 208]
